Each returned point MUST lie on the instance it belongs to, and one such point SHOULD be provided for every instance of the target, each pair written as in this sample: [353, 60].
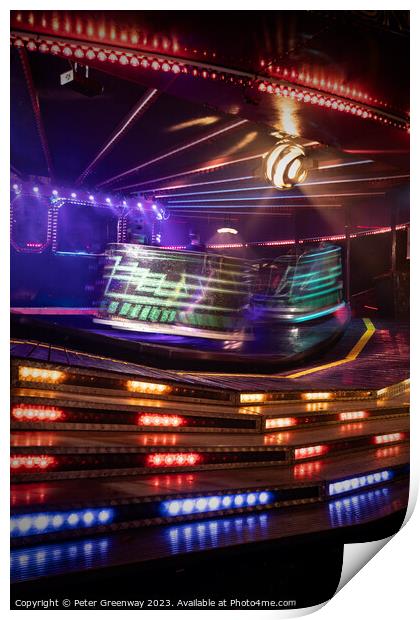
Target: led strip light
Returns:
[161, 62]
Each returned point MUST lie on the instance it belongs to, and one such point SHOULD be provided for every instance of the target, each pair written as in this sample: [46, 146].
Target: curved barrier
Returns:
[150, 289]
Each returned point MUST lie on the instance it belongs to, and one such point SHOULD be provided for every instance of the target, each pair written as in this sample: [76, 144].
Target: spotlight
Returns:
[55, 192]
[284, 165]
[73, 194]
[36, 189]
[80, 81]
[91, 197]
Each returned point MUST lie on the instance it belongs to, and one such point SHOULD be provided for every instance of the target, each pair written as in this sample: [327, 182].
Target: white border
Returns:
[385, 588]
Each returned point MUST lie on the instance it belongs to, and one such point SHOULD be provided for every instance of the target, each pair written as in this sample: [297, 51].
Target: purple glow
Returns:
[279, 197]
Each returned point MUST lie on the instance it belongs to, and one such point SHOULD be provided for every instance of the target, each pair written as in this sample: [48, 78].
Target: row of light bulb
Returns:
[91, 198]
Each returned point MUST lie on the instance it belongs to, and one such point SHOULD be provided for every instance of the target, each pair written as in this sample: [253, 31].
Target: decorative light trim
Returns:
[194, 505]
[36, 413]
[317, 395]
[165, 64]
[158, 419]
[253, 398]
[309, 452]
[339, 104]
[40, 375]
[377, 231]
[44, 522]
[31, 462]
[280, 422]
[352, 415]
[389, 438]
[173, 459]
[358, 482]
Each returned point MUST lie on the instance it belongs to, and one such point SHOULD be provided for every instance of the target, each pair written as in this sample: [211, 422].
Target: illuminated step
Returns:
[57, 559]
[320, 413]
[261, 398]
[49, 523]
[49, 414]
[51, 455]
[85, 379]
[27, 464]
[165, 385]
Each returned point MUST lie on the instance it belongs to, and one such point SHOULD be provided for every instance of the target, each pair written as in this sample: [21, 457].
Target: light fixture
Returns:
[158, 419]
[317, 395]
[284, 165]
[232, 231]
[173, 459]
[43, 523]
[36, 413]
[36, 189]
[253, 398]
[352, 415]
[31, 462]
[310, 452]
[40, 375]
[378, 439]
[280, 422]
[352, 484]
[148, 388]
[179, 507]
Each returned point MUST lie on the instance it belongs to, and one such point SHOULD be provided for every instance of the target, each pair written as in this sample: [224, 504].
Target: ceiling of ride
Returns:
[195, 143]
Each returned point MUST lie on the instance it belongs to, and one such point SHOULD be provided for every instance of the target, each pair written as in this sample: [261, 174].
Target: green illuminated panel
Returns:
[154, 286]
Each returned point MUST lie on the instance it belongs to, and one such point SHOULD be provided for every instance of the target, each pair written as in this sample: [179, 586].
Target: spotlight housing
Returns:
[285, 165]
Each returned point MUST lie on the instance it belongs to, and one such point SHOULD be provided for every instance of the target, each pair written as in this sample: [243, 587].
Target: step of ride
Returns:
[141, 546]
[36, 409]
[39, 409]
[47, 455]
[177, 387]
[66, 509]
